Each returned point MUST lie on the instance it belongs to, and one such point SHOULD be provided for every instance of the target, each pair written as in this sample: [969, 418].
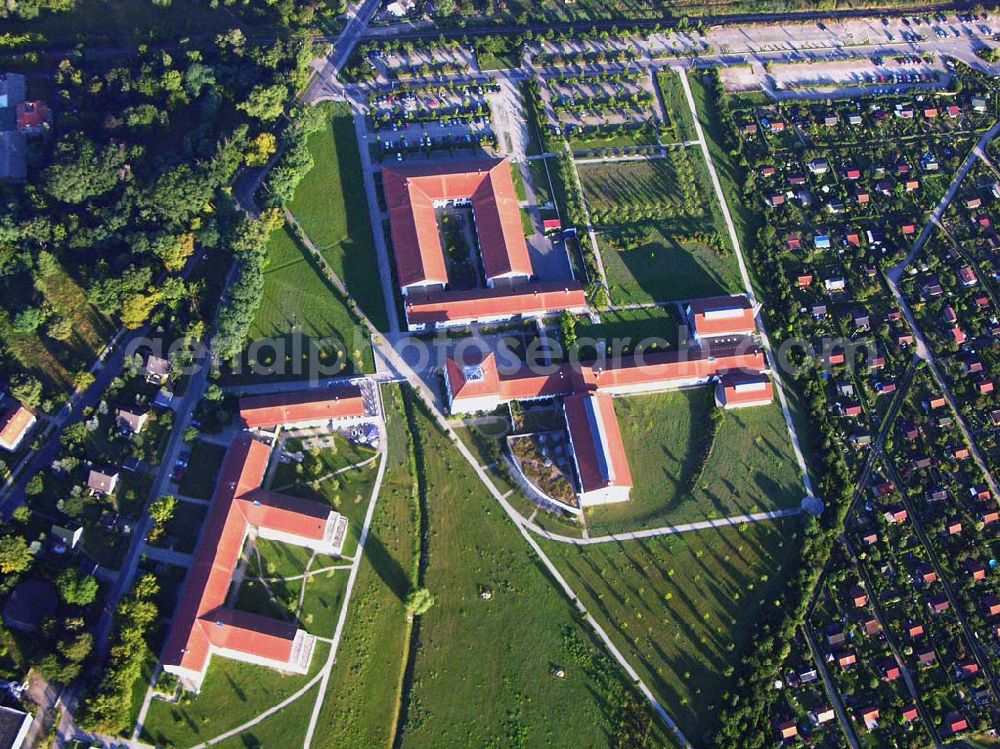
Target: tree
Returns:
[137, 308]
[174, 249]
[161, 510]
[80, 172]
[265, 102]
[261, 149]
[15, 555]
[418, 602]
[567, 324]
[77, 589]
[26, 389]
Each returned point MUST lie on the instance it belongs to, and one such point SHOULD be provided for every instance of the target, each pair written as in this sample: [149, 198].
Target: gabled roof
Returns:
[14, 424]
[411, 193]
[721, 316]
[597, 441]
[473, 375]
[342, 402]
[482, 304]
[201, 621]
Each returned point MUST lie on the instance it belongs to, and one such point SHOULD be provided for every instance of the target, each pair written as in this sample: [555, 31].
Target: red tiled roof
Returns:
[743, 388]
[476, 304]
[597, 441]
[302, 405]
[475, 376]
[721, 316]
[201, 619]
[410, 196]
[673, 366]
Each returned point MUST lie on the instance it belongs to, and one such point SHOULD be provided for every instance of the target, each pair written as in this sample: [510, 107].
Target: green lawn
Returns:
[678, 111]
[731, 177]
[361, 702]
[482, 675]
[655, 267]
[298, 298]
[681, 608]
[751, 467]
[323, 599]
[628, 328]
[319, 464]
[232, 694]
[540, 181]
[280, 560]
[285, 728]
[331, 205]
[253, 597]
[203, 467]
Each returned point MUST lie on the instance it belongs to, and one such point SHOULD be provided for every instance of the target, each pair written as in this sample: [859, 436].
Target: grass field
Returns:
[745, 220]
[298, 298]
[628, 328]
[540, 181]
[680, 608]
[658, 268]
[323, 599]
[482, 675]
[203, 467]
[362, 699]
[232, 694]
[284, 728]
[332, 208]
[751, 467]
[678, 111]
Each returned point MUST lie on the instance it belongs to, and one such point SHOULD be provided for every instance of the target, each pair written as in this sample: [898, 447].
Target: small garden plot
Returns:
[682, 609]
[203, 468]
[298, 299]
[688, 466]
[642, 265]
[544, 459]
[667, 190]
[232, 694]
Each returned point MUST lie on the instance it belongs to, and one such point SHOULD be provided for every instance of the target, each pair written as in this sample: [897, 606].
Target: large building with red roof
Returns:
[203, 623]
[413, 195]
[597, 448]
[720, 317]
[303, 407]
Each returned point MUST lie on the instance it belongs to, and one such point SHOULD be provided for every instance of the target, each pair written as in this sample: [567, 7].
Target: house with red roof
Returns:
[16, 422]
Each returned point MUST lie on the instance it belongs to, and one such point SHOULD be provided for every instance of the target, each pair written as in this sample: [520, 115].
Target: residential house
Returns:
[102, 483]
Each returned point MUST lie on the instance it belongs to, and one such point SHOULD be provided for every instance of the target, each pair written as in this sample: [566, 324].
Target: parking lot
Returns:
[433, 118]
[874, 73]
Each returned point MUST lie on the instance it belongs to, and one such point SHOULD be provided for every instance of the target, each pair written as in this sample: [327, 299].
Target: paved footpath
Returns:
[747, 285]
